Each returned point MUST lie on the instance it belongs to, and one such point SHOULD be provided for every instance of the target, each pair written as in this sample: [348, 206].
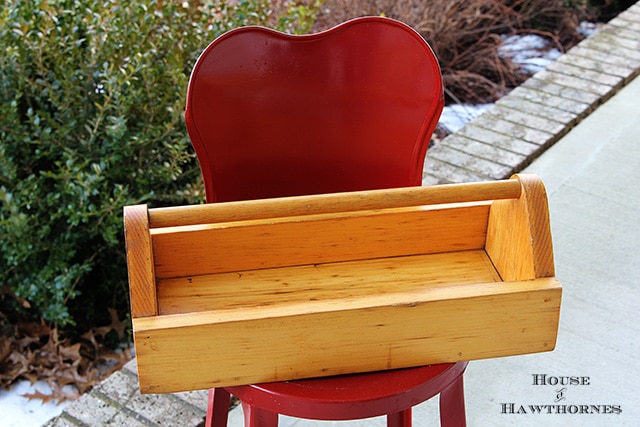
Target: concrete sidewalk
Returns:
[590, 171]
[592, 177]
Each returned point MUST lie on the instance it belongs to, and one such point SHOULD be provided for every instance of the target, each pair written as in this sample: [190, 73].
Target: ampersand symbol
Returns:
[560, 394]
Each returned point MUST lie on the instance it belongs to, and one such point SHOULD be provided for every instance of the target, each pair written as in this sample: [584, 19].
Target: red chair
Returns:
[351, 108]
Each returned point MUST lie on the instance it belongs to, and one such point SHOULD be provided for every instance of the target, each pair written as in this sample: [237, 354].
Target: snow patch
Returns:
[455, 116]
[530, 52]
[19, 411]
[589, 28]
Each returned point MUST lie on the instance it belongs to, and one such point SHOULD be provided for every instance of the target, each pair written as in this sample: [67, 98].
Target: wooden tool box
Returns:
[269, 290]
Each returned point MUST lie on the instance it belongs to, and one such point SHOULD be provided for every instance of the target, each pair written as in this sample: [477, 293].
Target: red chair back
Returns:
[351, 108]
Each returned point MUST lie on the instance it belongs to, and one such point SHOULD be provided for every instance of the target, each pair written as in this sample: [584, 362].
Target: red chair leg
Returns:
[218, 408]
[256, 417]
[400, 419]
[452, 412]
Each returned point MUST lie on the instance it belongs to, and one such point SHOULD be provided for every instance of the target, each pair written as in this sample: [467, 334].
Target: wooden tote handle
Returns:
[333, 203]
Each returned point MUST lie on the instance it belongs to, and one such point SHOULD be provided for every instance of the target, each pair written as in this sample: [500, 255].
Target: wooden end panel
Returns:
[519, 234]
[212, 349]
[250, 245]
[142, 283]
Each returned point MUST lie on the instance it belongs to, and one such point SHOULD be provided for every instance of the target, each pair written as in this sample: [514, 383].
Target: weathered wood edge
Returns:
[538, 214]
[140, 266]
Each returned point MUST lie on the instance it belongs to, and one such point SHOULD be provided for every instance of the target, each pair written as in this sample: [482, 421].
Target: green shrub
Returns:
[91, 118]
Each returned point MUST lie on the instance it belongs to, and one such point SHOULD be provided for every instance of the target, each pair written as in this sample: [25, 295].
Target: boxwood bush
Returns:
[91, 118]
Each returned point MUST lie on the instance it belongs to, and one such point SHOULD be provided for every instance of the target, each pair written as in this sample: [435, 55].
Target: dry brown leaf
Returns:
[5, 347]
[62, 395]
[90, 337]
[37, 352]
[71, 352]
[19, 359]
[26, 341]
[116, 324]
[40, 396]
[101, 331]
[32, 377]
[34, 329]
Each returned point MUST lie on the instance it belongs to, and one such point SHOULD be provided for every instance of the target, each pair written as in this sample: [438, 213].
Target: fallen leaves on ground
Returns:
[35, 352]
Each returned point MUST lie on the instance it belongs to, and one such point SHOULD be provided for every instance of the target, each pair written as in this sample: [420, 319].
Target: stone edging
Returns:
[522, 125]
[117, 402]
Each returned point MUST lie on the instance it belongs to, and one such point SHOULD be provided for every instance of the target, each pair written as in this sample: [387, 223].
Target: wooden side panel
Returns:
[247, 245]
[468, 322]
[343, 280]
[142, 284]
[519, 235]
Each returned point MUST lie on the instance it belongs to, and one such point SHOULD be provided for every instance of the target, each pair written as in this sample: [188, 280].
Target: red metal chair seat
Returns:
[349, 397]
